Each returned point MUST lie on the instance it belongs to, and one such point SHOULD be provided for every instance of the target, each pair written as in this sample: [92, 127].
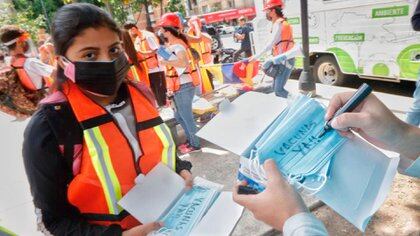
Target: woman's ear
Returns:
[60, 62]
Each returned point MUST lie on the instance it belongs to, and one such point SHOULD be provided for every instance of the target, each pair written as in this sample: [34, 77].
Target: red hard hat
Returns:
[170, 20]
[273, 3]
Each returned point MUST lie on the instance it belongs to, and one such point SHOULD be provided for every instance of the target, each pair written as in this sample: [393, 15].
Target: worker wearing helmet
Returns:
[32, 72]
[181, 77]
[201, 42]
[281, 42]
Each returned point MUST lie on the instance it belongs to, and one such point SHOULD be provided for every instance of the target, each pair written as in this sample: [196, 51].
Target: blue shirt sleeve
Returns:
[304, 224]
[414, 169]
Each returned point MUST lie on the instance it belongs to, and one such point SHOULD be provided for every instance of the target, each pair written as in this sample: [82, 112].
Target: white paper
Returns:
[361, 175]
[149, 199]
[237, 127]
[221, 219]
[360, 179]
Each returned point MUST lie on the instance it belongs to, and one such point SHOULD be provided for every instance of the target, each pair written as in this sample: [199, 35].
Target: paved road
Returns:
[405, 88]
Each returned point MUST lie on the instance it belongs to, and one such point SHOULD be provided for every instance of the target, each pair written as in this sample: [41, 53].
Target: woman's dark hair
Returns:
[130, 49]
[175, 32]
[71, 20]
[279, 11]
[129, 25]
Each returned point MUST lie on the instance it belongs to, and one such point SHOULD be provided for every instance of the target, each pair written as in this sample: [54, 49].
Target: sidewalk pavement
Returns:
[400, 215]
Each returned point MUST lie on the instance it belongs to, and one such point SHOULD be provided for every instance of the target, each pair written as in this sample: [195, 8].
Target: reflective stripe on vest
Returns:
[134, 72]
[168, 151]
[172, 77]
[138, 74]
[286, 43]
[99, 153]
[108, 164]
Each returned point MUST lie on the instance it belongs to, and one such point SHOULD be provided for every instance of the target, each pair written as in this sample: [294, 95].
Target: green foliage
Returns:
[23, 19]
[35, 7]
[175, 6]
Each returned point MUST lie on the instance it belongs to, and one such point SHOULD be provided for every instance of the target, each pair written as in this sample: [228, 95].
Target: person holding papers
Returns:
[282, 208]
[181, 78]
[89, 140]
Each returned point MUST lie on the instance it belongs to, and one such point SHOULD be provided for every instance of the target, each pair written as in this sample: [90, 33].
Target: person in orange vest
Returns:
[146, 43]
[281, 42]
[32, 72]
[137, 72]
[201, 43]
[179, 78]
[90, 139]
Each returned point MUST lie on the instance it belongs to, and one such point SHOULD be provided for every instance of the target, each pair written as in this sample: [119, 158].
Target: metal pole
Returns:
[187, 8]
[306, 79]
[47, 20]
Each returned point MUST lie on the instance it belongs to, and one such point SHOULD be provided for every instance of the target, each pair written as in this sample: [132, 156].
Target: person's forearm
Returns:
[146, 53]
[276, 38]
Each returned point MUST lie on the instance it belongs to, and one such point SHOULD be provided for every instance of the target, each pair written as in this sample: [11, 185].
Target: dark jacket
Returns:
[49, 172]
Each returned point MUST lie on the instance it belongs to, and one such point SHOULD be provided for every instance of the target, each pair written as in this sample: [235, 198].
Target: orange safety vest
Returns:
[203, 48]
[172, 77]
[108, 165]
[286, 43]
[17, 64]
[151, 61]
[206, 52]
[136, 74]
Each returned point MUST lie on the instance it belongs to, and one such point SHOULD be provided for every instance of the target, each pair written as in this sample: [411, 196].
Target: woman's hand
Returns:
[187, 176]
[375, 123]
[143, 230]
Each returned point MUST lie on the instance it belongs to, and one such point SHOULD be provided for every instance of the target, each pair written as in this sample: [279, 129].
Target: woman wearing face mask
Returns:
[281, 42]
[180, 78]
[88, 141]
[33, 73]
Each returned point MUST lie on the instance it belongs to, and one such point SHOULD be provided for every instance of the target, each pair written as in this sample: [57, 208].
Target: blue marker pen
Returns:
[350, 105]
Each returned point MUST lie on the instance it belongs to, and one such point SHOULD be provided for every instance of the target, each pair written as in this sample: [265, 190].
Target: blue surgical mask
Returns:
[187, 211]
[293, 142]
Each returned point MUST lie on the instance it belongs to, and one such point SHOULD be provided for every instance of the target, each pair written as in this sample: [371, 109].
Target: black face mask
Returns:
[102, 78]
[268, 17]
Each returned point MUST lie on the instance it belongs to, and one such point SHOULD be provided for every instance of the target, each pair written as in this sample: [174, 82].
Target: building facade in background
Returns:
[214, 11]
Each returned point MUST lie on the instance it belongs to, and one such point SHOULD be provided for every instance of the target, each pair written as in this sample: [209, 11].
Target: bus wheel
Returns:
[327, 71]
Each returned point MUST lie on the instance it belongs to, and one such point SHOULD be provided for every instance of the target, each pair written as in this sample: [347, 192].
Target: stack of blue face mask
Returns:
[293, 141]
[187, 211]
